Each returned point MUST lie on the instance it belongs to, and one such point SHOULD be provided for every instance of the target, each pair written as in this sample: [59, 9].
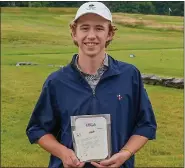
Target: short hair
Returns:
[112, 29]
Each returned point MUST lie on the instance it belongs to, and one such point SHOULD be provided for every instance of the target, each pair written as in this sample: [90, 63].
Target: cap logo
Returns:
[91, 7]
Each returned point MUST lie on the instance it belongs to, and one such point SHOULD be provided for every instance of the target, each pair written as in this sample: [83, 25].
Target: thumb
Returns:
[75, 160]
[107, 162]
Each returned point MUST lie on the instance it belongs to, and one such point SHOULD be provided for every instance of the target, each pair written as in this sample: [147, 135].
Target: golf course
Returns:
[42, 36]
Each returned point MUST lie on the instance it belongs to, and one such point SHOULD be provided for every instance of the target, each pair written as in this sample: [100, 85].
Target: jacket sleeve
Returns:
[145, 119]
[43, 119]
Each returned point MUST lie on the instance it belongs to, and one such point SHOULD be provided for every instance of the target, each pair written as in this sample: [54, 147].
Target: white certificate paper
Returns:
[90, 136]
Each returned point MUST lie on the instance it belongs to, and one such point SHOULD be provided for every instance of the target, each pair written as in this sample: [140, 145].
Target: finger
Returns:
[81, 164]
[68, 165]
[97, 165]
[107, 162]
[75, 161]
[114, 165]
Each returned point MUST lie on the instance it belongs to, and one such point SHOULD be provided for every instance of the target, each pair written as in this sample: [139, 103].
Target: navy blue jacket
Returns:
[66, 93]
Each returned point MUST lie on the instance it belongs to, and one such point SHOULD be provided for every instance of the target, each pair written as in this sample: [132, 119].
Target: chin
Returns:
[91, 54]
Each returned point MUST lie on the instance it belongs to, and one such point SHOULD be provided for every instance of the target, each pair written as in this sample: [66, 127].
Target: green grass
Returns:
[42, 35]
[167, 149]
[150, 21]
[20, 32]
[157, 18]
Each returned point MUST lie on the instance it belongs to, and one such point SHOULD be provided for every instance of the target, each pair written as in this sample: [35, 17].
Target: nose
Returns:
[91, 34]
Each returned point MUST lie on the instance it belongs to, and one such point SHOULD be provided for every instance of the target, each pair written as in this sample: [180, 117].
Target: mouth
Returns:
[91, 44]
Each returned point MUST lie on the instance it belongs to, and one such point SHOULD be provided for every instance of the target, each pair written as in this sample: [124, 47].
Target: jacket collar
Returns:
[113, 68]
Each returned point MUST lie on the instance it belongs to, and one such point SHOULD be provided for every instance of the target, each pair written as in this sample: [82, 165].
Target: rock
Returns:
[25, 63]
[178, 80]
[178, 83]
[146, 78]
[167, 81]
[155, 80]
[132, 55]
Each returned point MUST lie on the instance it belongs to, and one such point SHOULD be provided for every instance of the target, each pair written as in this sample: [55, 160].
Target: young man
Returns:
[93, 83]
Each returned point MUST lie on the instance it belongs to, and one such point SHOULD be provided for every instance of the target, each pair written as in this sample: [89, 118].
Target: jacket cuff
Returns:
[148, 132]
[34, 136]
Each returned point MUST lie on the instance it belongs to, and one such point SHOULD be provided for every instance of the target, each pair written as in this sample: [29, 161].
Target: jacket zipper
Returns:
[93, 90]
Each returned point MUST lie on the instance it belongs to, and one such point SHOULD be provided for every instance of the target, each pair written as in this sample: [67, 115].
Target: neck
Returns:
[90, 65]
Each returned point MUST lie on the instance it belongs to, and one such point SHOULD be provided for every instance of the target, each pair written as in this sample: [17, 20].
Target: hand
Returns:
[69, 159]
[115, 161]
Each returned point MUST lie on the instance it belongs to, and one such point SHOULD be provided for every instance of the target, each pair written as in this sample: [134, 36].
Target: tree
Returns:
[145, 7]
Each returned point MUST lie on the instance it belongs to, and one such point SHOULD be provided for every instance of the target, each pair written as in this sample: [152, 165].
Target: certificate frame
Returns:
[74, 127]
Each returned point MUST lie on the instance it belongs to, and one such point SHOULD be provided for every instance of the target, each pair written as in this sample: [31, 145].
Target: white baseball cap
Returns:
[96, 8]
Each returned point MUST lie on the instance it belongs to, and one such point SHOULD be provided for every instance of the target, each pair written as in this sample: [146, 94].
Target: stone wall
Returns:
[167, 82]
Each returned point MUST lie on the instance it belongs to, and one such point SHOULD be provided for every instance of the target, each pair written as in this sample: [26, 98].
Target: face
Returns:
[92, 33]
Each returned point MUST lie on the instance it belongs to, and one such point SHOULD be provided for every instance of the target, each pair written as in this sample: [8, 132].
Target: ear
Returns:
[73, 35]
[109, 36]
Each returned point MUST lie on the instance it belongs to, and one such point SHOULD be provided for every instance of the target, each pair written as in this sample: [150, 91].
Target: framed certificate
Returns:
[91, 137]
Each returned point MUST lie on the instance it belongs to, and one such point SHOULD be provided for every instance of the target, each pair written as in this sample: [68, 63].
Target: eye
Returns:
[84, 28]
[99, 28]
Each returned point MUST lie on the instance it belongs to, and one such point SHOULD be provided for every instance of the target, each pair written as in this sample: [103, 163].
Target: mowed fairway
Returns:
[41, 35]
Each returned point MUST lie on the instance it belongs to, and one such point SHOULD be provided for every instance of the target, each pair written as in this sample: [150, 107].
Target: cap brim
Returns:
[91, 13]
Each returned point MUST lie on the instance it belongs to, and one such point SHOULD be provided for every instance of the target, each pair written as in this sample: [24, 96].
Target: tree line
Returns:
[174, 8]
